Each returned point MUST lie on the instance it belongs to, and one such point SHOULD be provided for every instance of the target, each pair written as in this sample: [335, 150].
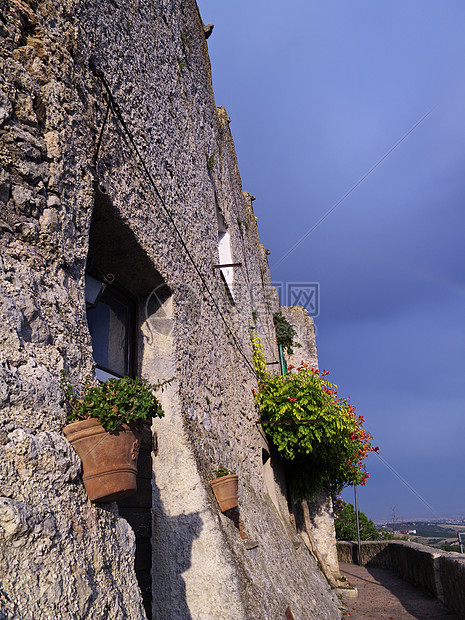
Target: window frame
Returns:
[125, 297]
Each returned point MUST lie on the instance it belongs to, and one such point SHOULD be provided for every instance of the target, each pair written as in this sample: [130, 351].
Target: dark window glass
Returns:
[111, 327]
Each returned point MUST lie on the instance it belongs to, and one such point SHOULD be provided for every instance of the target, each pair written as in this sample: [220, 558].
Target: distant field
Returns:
[431, 534]
[433, 531]
[429, 530]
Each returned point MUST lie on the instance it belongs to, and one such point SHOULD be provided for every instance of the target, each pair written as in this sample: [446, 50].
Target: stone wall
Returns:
[73, 195]
[452, 576]
[304, 326]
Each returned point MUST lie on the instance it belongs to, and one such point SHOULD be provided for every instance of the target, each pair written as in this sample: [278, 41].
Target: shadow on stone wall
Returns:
[176, 534]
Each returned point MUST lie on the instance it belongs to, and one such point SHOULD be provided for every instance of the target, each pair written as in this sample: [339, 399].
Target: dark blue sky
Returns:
[318, 92]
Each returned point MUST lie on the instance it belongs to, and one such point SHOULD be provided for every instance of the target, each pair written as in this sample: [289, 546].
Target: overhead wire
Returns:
[409, 486]
[102, 129]
[117, 111]
[354, 187]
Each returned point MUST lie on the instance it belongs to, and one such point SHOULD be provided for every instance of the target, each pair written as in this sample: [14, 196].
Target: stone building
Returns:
[118, 169]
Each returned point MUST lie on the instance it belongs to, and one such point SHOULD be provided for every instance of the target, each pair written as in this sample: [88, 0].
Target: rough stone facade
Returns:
[73, 196]
[303, 324]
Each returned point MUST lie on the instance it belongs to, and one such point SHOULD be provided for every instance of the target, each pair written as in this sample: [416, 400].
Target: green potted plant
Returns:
[103, 429]
[225, 486]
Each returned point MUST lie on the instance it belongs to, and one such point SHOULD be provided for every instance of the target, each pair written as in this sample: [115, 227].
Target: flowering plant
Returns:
[318, 434]
[338, 505]
[113, 402]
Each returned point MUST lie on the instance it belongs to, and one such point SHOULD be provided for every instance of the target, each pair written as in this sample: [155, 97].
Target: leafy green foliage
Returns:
[185, 40]
[114, 402]
[242, 223]
[285, 333]
[455, 548]
[222, 471]
[318, 434]
[346, 524]
[181, 65]
[210, 161]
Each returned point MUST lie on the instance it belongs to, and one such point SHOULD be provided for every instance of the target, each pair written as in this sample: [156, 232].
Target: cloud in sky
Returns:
[318, 92]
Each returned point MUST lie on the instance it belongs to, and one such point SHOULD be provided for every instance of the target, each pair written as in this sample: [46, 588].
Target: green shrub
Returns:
[455, 548]
[345, 524]
[285, 333]
[319, 435]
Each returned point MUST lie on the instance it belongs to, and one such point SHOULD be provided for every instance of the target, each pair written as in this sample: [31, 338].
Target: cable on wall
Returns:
[117, 112]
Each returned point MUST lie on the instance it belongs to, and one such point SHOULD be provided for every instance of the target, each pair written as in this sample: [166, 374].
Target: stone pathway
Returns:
[383, 595]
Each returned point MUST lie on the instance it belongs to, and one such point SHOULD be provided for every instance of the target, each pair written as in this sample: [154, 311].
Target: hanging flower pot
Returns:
[225, 489]
[109, 460]
[102, 418]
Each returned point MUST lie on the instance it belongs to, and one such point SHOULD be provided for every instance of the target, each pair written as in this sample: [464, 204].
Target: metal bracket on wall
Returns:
[227, 265]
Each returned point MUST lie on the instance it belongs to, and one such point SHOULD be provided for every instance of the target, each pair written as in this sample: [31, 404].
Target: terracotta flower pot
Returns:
[225, 490]
[109, 460]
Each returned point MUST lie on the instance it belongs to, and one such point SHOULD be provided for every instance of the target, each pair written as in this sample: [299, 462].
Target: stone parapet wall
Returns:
[452, 576]
[442, 573]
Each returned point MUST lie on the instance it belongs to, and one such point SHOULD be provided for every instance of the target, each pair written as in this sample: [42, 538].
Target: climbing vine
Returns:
[318, 434]
[285, 333]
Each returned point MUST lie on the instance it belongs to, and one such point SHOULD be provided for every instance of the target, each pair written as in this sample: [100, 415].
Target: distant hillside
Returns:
[428, 530]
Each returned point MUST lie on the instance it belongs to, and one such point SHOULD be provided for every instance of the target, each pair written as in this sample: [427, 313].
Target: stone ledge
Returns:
[347, 593]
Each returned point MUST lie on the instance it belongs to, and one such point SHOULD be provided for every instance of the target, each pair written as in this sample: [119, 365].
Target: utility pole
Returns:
[359, 544]
[393, 510]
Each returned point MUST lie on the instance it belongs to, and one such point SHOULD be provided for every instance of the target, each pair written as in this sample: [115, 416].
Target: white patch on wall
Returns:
[224, 251]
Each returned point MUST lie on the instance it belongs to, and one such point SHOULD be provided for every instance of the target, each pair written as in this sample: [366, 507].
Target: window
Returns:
[111, 316]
